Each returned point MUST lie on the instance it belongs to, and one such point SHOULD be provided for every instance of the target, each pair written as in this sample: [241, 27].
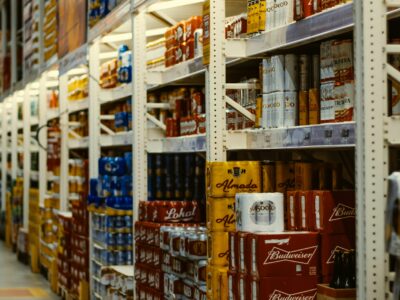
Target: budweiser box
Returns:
[280, 288]
[281, 254]
[226, 179]
[333, 211]
[324, 292]
[330, 243]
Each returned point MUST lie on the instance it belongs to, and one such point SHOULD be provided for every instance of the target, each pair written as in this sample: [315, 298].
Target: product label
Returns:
[304, 295]
[180, 216]
[263, 212]
[342, 211]
[331, 258]
[300, 256]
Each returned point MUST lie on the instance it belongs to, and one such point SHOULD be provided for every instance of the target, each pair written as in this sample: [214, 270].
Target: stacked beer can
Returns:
[224, 180]
[170, 251]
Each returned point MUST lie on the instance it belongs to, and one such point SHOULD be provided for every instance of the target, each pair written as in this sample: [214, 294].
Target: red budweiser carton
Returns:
[243, 247]
[330, 243]
[233, 251]
[305, 208]
[243, 287]
[284, 288]
[291, 209]
[334, 211]
[283, 254]
[232, 285]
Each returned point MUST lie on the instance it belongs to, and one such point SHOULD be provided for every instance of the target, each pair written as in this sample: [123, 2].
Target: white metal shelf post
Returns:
[14, 8]
[94, 108]
[27, 154]
[42, 139]
[64, 155]
[215, 85]
[371, 149]
[139, 110]
[94, 133]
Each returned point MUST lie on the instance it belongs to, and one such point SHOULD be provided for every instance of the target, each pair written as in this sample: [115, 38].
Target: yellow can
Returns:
[285, 180]
[226, 179]
[221, 214]
[268, 177]
[303, 176]
[217, 283]
[218, 248]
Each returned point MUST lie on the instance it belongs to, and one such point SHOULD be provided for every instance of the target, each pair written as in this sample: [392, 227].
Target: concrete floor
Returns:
[17, 278]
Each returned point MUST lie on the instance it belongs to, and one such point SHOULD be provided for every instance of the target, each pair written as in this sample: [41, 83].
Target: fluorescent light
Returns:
[117, 37]
[77, 71]
[171, 4]
[53, 73]
[34, 92]
[156, 32]
[35, 85]
[108, 55]
[52, 83]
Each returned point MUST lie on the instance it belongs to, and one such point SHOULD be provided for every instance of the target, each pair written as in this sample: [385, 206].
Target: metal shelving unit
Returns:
[371, 135]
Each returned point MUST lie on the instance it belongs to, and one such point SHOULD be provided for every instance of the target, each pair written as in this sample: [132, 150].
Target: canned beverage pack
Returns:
[218, 248]
[217, 283]
[221, 214]
[268, 177]
[291, 72]
[225, 179]
[285, 176]
[290, 109]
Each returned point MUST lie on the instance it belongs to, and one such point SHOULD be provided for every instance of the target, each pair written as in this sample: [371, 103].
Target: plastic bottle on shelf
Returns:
[124, 64]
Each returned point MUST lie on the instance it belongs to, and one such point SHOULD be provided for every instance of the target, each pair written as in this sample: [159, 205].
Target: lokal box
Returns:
[283, 254]
[279, 288]
[334, 211]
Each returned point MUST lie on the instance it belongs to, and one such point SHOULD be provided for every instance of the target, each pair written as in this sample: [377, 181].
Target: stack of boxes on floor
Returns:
[110, 202]
[50, 29]
[17, 201]
[34, 221]
[224, 180]
[79, 249]
[31, 34]
[171, 243]
[283, 245]
[64, 252]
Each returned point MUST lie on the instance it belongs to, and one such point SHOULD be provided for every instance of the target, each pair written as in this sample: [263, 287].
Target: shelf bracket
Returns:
[240, 109]
[106, 129]
[157, 122]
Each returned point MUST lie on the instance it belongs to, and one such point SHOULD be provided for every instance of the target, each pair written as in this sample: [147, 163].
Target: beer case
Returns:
[292, 198]
[217, 283]
[330, 243]
[218, 249]
[283, 254]
[285, 287]
[221, 214]
[242, 247]
[243, 287]
[233, 251]
[303, 176]
[232, 285]
[334, 211]
[284, 175]
[225, 179]
[268, 177]
[304, 215]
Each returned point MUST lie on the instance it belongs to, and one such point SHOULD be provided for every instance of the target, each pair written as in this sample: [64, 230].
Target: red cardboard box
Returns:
[305, 208]
[243, 247]
[283, 254]
[282, 288]
[291, 209]
[334, 211]
[232, 285]
[243, 287]
[233, 251]
[330, 243]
